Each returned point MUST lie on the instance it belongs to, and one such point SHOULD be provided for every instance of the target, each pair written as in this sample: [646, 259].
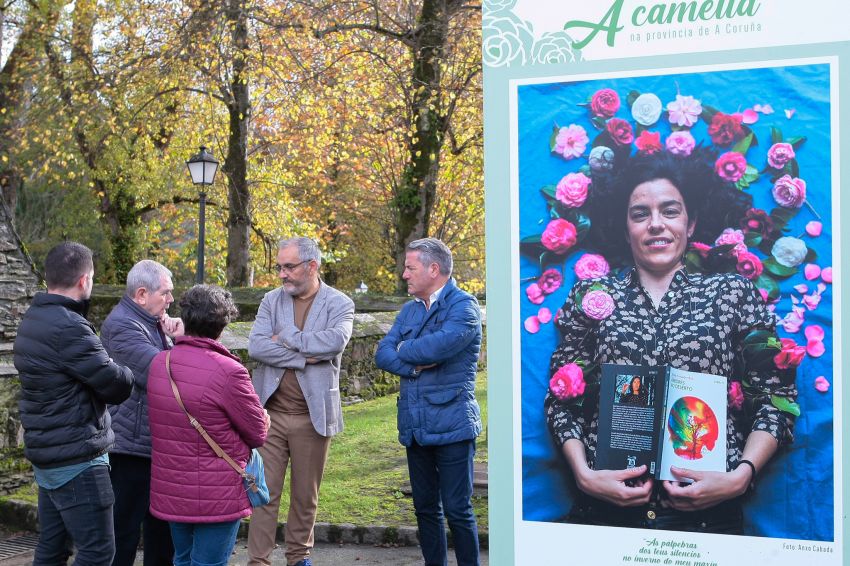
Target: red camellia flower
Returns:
[749, 265]
[620, 131]
[559, 235]
[791, 354]
[758, 221]
[648, 142]
[550, 281]
[604, 103]
[725, 129]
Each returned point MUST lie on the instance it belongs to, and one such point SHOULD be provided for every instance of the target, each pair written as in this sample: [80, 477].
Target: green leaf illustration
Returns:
[785, 405]
[777, 269]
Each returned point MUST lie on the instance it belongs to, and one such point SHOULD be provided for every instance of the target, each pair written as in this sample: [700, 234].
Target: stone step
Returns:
[8, 370]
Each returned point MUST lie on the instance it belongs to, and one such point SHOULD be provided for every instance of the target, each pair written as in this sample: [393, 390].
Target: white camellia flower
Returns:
[789, 251]
[647, 109]
[601, 158]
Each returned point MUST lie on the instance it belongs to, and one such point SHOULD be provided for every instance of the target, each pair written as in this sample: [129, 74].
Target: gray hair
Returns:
[308, 249]
[148, 274]
[432, 250]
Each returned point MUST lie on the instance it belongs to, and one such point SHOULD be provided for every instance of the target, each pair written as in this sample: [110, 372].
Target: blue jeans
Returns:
[77, 514]
[203, 544]
[441, 480]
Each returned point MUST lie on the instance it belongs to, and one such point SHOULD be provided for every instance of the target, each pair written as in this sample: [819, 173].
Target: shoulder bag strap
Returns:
[213, 444]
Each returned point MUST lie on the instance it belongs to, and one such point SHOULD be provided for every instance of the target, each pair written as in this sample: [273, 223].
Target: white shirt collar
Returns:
[432, 299]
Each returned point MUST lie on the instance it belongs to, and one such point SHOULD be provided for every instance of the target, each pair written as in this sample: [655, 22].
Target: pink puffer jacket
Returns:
[189, 483]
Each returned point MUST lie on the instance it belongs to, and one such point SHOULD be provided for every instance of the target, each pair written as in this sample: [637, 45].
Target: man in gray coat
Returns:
[136, 330]
[298, 337]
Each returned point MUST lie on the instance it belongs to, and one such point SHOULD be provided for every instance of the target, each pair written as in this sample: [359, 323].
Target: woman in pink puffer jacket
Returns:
[200, 495]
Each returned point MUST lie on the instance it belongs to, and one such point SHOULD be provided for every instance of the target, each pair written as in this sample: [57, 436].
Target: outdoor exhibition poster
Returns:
[571, 88]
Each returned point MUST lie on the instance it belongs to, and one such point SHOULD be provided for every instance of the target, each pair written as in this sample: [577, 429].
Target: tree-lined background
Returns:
[354, 122]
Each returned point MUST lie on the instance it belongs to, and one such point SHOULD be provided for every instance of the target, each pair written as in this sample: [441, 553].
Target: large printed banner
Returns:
[623, 139]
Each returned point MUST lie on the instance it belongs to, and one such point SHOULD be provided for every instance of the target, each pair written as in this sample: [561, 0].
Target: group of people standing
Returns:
[117, 457]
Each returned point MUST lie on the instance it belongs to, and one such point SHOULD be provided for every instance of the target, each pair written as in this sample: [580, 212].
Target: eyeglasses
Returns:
[288, 267]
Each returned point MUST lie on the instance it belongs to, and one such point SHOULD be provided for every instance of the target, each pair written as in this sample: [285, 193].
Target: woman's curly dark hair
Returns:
[715, 204]
[206, 310]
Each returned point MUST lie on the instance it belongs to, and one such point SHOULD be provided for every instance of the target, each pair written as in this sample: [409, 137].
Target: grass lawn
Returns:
[366, 469]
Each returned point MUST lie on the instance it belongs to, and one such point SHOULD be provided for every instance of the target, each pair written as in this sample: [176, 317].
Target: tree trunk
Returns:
[236, 163]
[417, 189]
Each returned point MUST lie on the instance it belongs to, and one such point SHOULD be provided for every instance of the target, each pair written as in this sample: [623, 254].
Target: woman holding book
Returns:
[645, 214]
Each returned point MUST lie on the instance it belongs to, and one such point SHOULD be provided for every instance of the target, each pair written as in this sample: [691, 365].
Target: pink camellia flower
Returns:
[604, 103]
[736, 395]
[684, 111]
[780, 154]
[550, 281]
[826, 275]
[620, 131]
[701, 249]
[572, 189]
[568, 382]
[544, 315]
[725, 129]
[821, 384]
[559, 235]
[731, 166]
[571, 141]
[591, 266]
[814, 228]
[793, 320]
[648, 142]
[814, 341]
[749, 265]
[791, 354]
[732, 236]
[532, 325]
[597, 305]
[680, 143]
[534, 293]
[789, 191]
[811, 271]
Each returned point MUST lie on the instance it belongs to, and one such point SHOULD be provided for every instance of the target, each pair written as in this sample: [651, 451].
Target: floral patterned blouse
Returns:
[699, 325]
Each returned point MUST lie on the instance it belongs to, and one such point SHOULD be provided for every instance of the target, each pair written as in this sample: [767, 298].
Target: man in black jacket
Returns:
[67, 378]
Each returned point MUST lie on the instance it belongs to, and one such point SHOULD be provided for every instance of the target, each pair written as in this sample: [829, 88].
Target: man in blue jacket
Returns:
[136, 330]
[67, 378]
[433, 346]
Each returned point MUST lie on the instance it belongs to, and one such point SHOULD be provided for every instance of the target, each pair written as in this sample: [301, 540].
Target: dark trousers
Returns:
[131, 482]
[441, 480]
[78, 514]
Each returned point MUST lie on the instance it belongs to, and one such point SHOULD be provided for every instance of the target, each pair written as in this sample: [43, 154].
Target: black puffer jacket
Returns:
[67, 378]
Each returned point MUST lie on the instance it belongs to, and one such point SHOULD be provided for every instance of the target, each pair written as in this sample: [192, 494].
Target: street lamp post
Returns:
[202, 167]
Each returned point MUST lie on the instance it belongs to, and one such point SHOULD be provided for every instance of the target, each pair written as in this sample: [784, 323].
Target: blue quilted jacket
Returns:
[132, 337]
[439, 406]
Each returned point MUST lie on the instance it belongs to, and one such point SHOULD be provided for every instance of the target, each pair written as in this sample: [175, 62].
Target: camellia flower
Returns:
[568, 382]
[758, 221]
[597, 305]
[591, 266]
[604, 103]
[789, 191]
[550, 281]
[684, 111]
[559, 235]
[734, 237]
[571, 141]
[725, 129]
[821, 384]
[572, 189]
[648, 142]
[749, 265]
[780, 154]
[544, 315]
[534, 293]
[620, 131]
[789, 251]
[680, 143]
[736, 395]
[646, 109]
[791, 354]
[601, 158]
[731, 166]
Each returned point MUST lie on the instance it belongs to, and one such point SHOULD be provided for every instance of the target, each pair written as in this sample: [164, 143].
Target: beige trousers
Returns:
[291, 440]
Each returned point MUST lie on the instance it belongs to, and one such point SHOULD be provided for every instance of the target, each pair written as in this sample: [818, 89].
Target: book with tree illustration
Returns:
[661, 416]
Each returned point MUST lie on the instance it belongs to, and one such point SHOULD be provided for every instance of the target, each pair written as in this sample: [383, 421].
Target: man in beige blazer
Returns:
[298, 338]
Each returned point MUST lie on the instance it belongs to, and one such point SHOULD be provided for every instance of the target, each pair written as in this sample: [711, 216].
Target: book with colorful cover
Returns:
[661, 416]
